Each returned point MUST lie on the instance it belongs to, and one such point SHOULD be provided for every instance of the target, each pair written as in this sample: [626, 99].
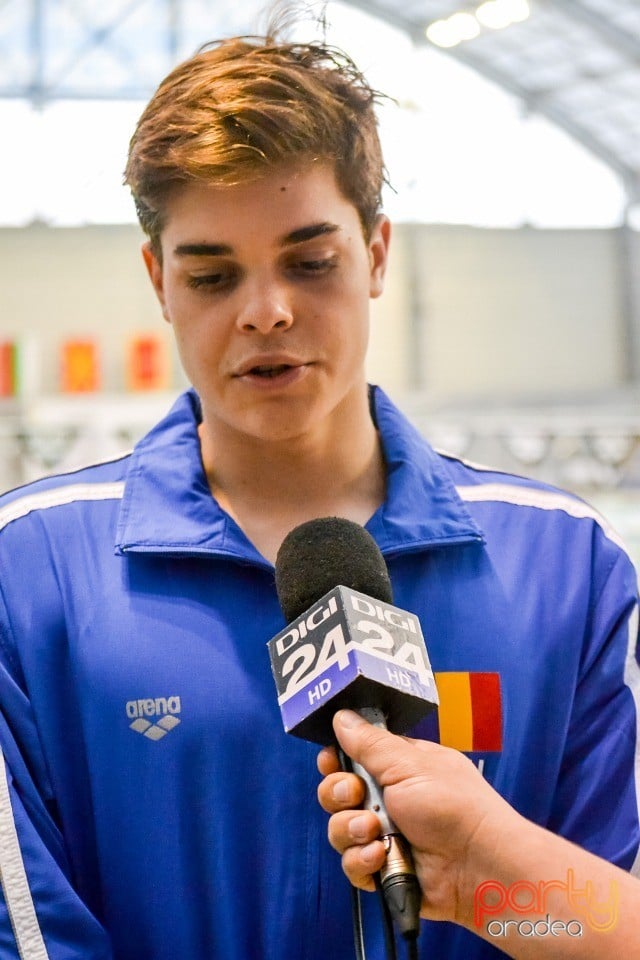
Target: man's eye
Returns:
[323, 265]
[209, 280]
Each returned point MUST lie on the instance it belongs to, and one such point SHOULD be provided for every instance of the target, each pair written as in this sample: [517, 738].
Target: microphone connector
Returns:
[400, 886]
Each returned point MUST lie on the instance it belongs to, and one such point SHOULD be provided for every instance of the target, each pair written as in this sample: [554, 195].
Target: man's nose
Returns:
[266, 308]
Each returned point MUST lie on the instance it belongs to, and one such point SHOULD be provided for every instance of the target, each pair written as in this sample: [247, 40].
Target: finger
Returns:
[340, 791]
[328, 761]
[360, 863]
[388, 758]
[350, 828]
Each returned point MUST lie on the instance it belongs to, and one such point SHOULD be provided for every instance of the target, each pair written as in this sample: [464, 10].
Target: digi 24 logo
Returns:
[346, 621]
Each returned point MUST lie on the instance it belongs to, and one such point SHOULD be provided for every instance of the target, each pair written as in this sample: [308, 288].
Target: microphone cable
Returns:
[387, 927]
[358, 925]
[387, 922]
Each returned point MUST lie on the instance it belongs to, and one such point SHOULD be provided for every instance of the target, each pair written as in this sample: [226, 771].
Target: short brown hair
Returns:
[243, 105]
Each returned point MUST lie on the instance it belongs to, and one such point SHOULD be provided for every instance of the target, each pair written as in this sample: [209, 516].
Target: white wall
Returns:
[517, 312]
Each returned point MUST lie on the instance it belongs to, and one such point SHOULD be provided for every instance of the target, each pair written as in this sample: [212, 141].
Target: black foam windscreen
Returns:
[320, 554]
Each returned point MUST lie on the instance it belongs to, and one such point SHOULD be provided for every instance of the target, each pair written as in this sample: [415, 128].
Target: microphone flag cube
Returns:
[350, 650]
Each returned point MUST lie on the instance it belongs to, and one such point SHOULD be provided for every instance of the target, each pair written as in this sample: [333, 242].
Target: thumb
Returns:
[385, 756]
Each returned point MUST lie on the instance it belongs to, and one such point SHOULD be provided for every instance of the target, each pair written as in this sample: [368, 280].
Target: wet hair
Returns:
[242, 106]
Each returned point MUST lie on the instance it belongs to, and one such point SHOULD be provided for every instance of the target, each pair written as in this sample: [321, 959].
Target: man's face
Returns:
[267, 286]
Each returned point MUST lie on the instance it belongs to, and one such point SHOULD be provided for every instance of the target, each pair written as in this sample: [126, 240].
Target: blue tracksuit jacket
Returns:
[151, 806]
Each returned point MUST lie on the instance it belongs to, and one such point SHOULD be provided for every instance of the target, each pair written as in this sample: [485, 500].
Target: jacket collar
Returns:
[422, 507]
[167, 506]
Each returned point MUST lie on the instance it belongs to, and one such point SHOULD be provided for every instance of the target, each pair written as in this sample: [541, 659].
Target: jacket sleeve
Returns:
[597, 795]
[42, 916]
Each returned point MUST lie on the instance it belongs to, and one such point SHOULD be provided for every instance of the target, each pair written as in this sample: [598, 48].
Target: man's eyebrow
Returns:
[308, 233]
[202, 249]
[223, 249]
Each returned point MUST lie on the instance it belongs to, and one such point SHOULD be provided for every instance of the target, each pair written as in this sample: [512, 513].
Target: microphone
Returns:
[346, 645]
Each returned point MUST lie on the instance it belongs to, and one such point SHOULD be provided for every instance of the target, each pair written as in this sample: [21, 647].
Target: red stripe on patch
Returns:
[486, 706]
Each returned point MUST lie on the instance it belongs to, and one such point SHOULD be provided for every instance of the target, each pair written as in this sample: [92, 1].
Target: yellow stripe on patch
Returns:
[455, 713]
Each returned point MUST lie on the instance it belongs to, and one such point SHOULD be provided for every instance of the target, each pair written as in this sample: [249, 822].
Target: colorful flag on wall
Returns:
[148, 366]
[8, 368]
[80, 368]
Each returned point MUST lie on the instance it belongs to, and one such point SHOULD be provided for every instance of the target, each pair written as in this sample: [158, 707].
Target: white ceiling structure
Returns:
[575, 62]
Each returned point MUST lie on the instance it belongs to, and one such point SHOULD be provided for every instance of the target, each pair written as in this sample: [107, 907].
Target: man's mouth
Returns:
[282, 368]
[268, 370]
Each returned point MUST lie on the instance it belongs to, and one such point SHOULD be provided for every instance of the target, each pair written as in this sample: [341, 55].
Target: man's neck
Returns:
[269, 487]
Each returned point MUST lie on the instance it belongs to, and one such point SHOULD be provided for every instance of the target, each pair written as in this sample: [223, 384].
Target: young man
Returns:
[153, 806]
[479, 862]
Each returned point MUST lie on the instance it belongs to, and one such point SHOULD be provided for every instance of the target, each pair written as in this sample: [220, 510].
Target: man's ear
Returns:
[154, 269]
[379, 254]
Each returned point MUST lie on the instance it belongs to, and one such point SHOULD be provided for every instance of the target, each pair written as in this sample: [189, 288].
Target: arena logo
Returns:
[143, 713]
[532, 900]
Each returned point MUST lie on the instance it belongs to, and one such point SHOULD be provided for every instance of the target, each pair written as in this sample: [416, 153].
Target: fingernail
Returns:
[341, 791]
[349, 718]
[358, 828]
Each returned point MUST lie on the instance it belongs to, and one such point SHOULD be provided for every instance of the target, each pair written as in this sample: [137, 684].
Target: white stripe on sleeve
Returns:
[632, 680]
[57, 497]
[540, 499]
[15, 884]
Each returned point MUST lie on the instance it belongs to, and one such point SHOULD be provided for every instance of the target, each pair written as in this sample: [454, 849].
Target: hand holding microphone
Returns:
[463, 834]
[451, 816]
[347, 646]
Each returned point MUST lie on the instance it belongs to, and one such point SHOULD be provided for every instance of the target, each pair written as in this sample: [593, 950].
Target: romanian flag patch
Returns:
[469, 717]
